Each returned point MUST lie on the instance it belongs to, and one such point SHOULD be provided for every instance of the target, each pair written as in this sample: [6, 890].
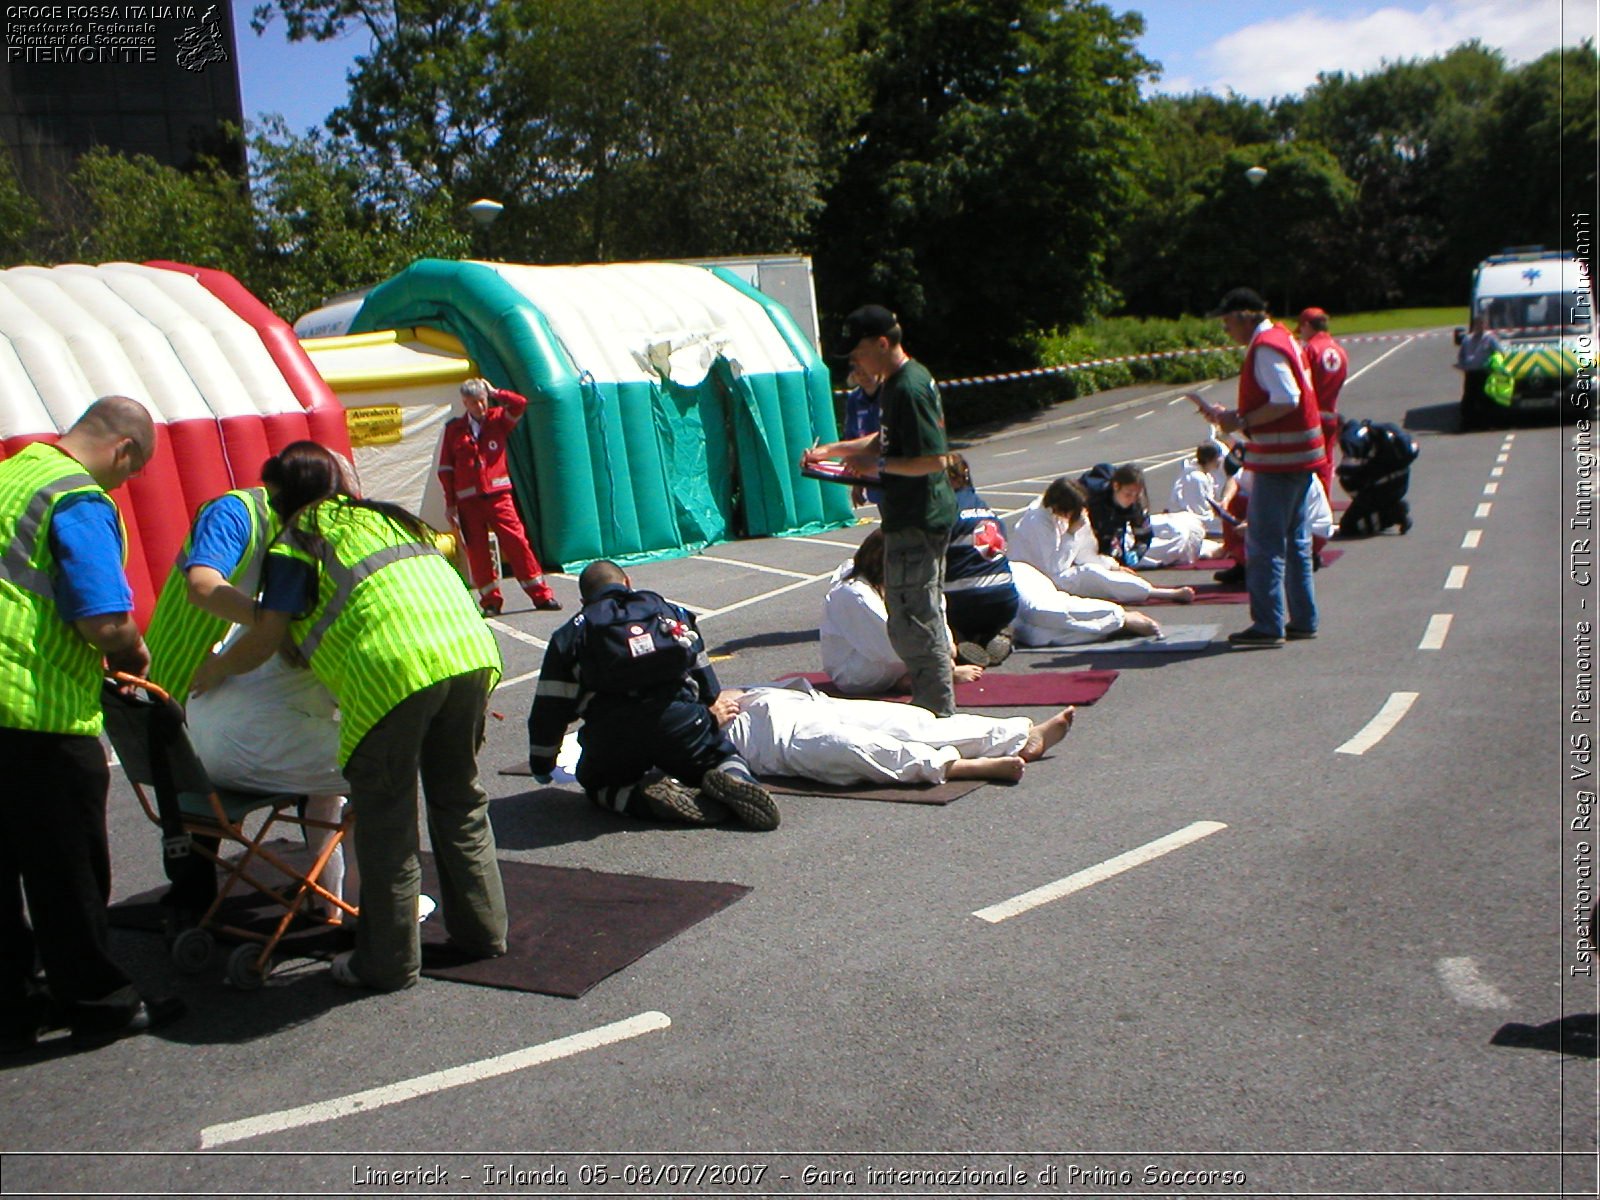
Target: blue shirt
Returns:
[288, 585]
[221, 536]
[861, 417]
[86, 539]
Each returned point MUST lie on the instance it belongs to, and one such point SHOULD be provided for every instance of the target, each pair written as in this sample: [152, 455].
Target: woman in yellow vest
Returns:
[363, 595]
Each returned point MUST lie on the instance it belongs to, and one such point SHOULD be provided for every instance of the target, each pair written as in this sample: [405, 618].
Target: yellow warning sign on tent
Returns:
[378, 425]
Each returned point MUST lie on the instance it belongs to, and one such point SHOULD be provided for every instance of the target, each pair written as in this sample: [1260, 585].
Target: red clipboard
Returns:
[831, 470]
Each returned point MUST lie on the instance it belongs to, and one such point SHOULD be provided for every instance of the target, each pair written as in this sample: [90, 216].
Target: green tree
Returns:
[982, 184]
[330, 219]
[21, 221]
[133, 209]
[609, 128]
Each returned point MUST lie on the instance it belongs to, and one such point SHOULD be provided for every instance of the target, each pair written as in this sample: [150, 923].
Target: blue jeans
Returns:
[1278, 552]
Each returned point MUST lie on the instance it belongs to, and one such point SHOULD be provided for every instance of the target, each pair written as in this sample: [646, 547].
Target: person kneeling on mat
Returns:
[633, 665]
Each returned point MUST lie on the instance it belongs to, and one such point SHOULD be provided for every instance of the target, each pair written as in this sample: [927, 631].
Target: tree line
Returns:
[993, 169]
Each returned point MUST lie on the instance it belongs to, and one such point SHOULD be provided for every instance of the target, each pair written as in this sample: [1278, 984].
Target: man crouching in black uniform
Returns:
[634, 667]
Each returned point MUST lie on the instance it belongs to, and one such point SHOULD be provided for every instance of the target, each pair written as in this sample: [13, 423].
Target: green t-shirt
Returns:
[912, 424]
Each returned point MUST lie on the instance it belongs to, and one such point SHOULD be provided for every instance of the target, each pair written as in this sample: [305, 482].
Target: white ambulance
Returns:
[1540, 306]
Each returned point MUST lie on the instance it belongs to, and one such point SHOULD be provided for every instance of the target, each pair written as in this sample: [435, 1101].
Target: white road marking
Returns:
[424, 1085]
[1089, 876]
[1379, 359]
[1462, 980]
[1483, 511]
[1496, 472]
[1490, 489]
[516, 679]
[851, 546]
[1013, 453]
[996, 492]
[1510, 437]
[512, 631]
[735, 562]
[1176, 400]
[1470, 542]
[1395, 707]
[1143, 415]
[1457, 579]
[1502, 458]
[737, 605]
[1438, 629]
[1073, 438]
[1110, 427]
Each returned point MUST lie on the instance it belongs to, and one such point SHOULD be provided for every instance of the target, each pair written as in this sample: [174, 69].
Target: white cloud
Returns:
[1283, 56]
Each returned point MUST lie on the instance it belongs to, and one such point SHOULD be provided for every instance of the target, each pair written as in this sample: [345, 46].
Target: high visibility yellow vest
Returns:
[49, 676]
[180, 634]
[391, 615]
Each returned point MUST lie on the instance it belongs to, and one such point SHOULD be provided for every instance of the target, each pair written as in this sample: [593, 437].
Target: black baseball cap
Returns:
[1239, 300]
[870, 320]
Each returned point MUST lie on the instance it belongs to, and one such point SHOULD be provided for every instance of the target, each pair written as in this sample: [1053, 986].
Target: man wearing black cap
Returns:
[908, 452]
[1278, 418]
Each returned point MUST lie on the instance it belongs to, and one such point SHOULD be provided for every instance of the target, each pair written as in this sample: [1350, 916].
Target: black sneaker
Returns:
[750, 802]
[999, 648]
[669, 800]
[1299, 635]
[1251, 638]
[143, 1017]
[1233, 574]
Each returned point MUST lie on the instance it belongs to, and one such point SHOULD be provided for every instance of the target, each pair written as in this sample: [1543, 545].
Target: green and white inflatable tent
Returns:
[668, 404]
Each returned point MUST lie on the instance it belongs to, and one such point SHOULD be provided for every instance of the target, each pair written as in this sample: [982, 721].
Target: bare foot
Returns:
[1008, 769]
[1140, 625]
[1041, 737]
[1183, 595]
[966, 673]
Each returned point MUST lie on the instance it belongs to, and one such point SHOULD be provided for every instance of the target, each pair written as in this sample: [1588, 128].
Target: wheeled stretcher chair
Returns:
[146, 729]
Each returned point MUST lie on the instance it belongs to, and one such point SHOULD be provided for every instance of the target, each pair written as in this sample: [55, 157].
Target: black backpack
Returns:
[635, 641]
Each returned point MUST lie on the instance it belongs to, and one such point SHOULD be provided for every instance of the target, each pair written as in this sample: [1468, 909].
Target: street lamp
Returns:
[483, 213]
[1255, 175]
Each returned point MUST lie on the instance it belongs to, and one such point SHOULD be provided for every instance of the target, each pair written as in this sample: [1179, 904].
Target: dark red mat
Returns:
[1032, 689]
[1209, 593]
[570, 927]
[1223, 563]
[908, 793]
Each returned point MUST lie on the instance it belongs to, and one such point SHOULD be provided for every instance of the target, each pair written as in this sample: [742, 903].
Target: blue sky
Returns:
[1204, 45]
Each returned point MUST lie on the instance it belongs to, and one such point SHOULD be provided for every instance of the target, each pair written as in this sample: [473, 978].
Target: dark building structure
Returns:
[155, 79]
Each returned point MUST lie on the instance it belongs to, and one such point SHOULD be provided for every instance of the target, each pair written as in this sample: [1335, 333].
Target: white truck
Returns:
[1539, 305]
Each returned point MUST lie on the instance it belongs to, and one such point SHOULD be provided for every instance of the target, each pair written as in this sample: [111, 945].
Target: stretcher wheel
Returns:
[242, 970]
[191, 950]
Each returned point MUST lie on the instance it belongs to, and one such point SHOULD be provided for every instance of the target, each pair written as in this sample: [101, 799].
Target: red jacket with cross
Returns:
[477, 466]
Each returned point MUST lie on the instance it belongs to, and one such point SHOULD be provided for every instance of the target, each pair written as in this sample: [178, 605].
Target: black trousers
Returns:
[623, 740]
[54, 852]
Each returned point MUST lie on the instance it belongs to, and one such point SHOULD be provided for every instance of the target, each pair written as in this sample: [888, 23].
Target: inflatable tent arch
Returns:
[224, 379]
[668, 404]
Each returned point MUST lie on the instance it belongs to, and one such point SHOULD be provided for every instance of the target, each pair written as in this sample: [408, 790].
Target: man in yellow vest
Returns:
[65, 617]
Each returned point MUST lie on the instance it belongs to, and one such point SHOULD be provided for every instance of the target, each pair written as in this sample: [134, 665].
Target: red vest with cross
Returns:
[1294, 441]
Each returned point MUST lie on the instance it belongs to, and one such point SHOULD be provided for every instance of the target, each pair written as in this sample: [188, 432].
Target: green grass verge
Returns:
[1396, 318]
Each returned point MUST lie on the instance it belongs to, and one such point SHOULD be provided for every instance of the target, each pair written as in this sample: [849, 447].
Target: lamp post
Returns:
[1255, 175]
[484, 213]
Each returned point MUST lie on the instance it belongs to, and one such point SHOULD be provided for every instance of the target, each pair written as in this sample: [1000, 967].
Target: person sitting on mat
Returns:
[980, 597]
[856, 652]
[793, 729]
[633, 665]
[1054, 534]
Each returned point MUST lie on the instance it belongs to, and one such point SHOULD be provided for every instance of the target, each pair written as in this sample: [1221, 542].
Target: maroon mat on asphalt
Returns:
[1032, 689]
[570, 927]
[1224, 562]
[904, 793]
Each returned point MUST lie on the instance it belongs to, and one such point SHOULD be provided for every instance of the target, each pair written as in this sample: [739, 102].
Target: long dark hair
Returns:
[306, 473]
[867, 565]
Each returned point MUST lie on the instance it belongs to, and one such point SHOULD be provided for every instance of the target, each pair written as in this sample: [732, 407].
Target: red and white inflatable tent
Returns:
[224, 379]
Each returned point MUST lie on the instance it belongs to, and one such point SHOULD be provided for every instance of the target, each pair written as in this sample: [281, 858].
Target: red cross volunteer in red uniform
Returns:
[477, 493]
[1328, 365]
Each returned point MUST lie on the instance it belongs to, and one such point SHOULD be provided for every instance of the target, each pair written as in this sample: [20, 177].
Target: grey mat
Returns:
[1175, 639]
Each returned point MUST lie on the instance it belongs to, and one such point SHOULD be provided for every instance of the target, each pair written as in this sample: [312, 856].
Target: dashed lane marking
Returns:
[1375, 730]
[851, 546]
[1470, 542]
[1438, 629]
[516, 679]
[1013, 453]
[1075, 437]
[1489, 489]
[1466, 984]
[1483, 511]
[737, 605]
[1110, 427]
[1143, 415]
[512, 631]
[1496, 472]
[1510, 437]
[1379, 359]
[425, 1085]
[1089, 876]
[1502, 458]
[1457, 579]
